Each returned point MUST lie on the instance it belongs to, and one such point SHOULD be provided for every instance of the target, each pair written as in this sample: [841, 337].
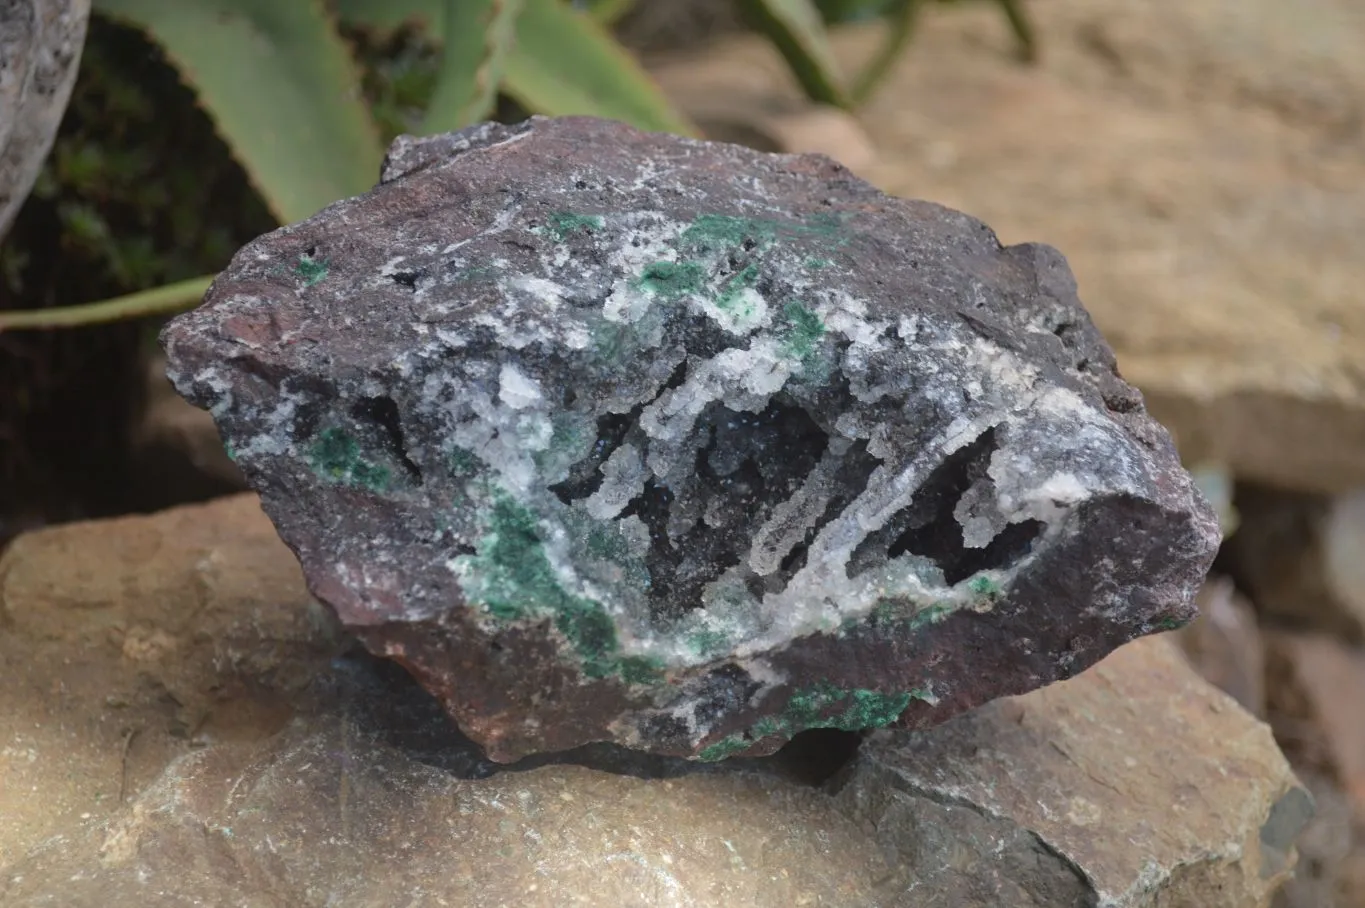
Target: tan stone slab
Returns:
[325, 816]
[1137, 782]
[1202, 166]
[123, 642]
[1133, 784]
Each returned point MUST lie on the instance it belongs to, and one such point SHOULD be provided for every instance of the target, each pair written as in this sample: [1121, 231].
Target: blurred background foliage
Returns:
[198, 125]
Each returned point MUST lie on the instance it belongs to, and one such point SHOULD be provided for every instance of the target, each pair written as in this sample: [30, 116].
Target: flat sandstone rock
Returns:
[616, 436]
[1133, 785]
[320, 778]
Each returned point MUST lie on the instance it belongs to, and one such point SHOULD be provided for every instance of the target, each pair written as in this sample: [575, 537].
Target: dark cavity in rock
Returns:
[929, 529]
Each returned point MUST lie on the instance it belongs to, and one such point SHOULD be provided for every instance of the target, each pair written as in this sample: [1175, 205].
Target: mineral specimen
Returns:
[608, 435]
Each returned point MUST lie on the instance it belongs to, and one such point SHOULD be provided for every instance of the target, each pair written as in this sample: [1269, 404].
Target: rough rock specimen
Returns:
[608, 435]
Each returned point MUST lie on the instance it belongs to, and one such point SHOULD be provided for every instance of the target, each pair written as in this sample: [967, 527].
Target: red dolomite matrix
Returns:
[615, 436]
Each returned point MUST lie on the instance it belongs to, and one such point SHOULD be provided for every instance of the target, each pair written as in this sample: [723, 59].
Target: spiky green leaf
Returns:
[1022, 28]
[387, 15]
[281, 87]
[798, 30]
[901, 16]
[478, 36]
[563, 63]
[836, 11]
[567, 63]
[608, 12]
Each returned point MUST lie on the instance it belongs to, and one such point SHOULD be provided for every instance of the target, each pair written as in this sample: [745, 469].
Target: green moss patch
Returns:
[740, 244]
[706, 642]
[462, 463]
[720, 231]
[734, 288]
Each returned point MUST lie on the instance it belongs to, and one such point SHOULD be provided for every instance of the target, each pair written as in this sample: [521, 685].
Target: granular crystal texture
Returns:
[608, 435]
